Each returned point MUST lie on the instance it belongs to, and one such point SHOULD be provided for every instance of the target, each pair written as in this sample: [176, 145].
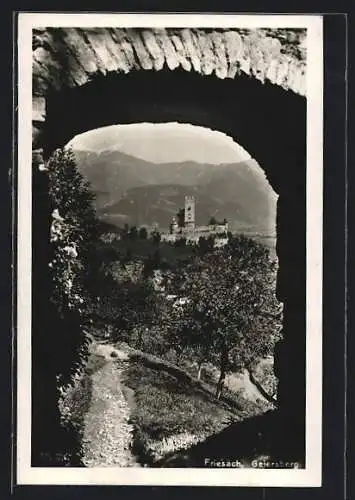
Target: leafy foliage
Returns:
[181, 217]
[64, 232]
[73, 234]
[230, 315]
[125, 299]
[206, 245]
[214, 305]
[143, 233]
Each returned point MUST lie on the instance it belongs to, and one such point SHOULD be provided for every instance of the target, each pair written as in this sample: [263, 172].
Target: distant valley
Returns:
[131, 190]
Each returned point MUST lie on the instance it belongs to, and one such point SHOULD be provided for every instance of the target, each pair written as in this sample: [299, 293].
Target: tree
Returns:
[126, 298]
[136, 305]
[180, 216]
[71, 195]
[231, 315]
[73, 235]
[212, 221]
[133, 233]
[180, 242]
[156, 259]
[205, 245]
[127, 257]
[156, 236]
[63, 268]
[143, 233]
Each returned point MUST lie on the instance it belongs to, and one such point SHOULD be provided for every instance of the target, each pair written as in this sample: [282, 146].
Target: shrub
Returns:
[61, 289]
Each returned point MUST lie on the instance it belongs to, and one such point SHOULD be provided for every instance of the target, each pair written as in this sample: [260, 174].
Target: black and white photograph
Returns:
[169, 307]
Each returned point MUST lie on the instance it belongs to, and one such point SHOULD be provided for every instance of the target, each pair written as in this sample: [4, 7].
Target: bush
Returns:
[61, 290]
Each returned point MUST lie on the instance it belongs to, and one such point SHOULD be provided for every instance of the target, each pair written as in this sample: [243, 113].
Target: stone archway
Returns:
[250, 86]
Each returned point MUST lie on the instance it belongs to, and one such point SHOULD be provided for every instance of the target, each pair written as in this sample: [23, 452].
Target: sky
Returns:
[164, 142]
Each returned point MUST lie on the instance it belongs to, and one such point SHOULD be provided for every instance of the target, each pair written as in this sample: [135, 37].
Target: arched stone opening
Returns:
[266, 119]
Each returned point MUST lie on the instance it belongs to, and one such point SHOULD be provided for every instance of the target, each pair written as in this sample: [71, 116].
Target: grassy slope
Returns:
[170, 411]
[75, 402]
[173, 411]
[170, 414]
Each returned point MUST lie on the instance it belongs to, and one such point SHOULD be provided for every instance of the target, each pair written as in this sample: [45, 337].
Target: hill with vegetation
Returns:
[133, 191]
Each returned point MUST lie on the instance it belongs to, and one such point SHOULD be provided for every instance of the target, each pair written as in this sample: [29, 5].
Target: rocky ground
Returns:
[108, 434]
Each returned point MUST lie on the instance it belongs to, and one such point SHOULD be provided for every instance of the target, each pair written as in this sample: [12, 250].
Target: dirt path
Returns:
[107, 432]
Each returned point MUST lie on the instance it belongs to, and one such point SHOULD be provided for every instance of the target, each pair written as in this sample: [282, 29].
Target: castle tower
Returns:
[190, 212]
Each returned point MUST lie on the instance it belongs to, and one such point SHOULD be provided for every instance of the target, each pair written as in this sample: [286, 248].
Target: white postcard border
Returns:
[311, 475]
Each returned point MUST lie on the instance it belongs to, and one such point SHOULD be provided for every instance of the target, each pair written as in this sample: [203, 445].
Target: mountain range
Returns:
[134, 191]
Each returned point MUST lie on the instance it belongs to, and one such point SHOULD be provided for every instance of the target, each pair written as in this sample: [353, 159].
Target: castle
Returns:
[184, 227]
